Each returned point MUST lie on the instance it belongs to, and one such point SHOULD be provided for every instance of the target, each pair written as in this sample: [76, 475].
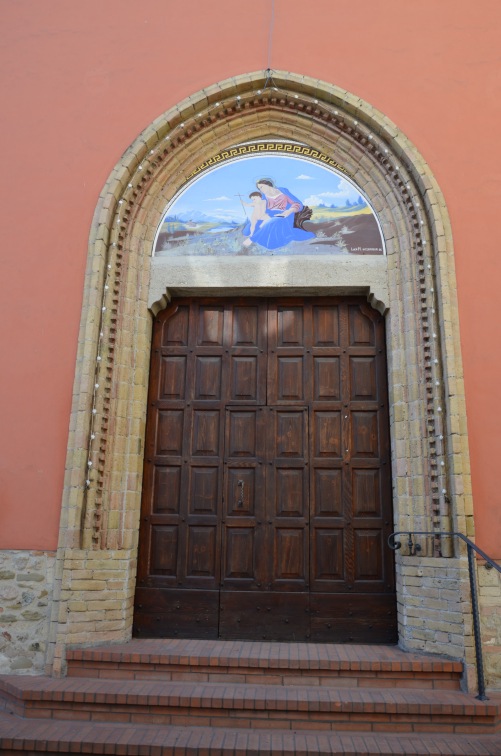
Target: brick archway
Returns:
[99, 523]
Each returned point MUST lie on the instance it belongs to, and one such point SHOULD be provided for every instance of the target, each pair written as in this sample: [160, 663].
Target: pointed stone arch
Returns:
[416, 290]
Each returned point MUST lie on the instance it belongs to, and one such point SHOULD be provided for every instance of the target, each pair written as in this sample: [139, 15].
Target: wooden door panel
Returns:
[164, 550]
[201, 553]
[180, 613]
[368, 546]
[351, 486]
[326, 379]
[363, 378]
[200, 511]
[364, 442]
[244, 487]
[366, 492]
[210, 325]
[166, 490]
[288, 438]
[246, 325]
[290, 550]
[361, 327]
[170, 433]
[328, 558]
[244, 378]
[243, 534]
[208, 375]
[327, 492]
[345, 618]
[289, 368]
[243, 433]
[244, 500]
[287, 498]
[246, 340]
[325, 325]
[195, 345]
[291, 493]
[198, 565]
[205, 433]
[267, 488]
[267, 615]
[327, 436]
[173, 378]
[290, 326]
[241, 557]
[203, 493]
[174, 329]
[289, 378]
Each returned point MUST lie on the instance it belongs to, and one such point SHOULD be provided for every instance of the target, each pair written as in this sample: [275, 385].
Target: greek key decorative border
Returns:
[290, 148]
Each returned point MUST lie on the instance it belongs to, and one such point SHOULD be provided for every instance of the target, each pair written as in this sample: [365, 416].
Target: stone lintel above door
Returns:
[268, 276]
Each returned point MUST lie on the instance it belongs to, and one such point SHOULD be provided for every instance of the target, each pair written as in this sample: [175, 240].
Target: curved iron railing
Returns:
[415, 548]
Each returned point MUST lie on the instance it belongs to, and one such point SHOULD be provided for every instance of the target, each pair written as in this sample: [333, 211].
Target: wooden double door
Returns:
[267, 486]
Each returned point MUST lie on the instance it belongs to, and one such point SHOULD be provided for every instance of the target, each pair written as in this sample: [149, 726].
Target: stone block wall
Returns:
[489, 590]
[93, 601]
[26, 588]
[434, 608]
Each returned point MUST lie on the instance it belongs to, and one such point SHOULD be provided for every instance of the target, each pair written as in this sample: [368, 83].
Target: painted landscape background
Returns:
[207, 218]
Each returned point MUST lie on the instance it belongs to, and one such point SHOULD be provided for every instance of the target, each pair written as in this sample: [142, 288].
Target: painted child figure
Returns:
[258, 214]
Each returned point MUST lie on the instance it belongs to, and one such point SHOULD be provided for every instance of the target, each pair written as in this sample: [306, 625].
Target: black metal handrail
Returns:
[415, 548]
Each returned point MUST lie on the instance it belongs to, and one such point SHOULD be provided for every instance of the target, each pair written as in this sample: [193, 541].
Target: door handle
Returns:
[240, 500]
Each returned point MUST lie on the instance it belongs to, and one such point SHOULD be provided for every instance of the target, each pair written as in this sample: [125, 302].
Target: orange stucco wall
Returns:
[81, 80]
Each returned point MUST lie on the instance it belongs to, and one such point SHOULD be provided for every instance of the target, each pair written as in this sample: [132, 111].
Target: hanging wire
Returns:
[268, 74]
[270, 34]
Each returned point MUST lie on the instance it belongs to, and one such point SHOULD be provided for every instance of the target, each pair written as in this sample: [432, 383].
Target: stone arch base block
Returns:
[414, 285]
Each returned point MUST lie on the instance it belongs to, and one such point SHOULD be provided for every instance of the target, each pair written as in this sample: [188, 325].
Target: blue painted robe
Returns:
[278, 231]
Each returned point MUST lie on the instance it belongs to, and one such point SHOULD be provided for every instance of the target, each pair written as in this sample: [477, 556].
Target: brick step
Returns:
[35, 736]
[247, 706]
[275, 663]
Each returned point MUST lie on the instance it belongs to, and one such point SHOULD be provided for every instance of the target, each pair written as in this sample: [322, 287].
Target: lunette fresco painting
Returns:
[269, 205]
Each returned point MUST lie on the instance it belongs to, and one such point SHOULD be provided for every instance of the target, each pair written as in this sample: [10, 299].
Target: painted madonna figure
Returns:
[272, 222]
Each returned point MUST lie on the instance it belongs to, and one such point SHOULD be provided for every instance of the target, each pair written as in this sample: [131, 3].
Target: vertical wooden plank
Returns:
[287, 498]
[244, 500]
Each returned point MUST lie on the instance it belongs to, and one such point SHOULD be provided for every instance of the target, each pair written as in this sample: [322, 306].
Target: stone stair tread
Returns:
[265, 655]
[244, 696]
[56, 736]
[155, 697]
